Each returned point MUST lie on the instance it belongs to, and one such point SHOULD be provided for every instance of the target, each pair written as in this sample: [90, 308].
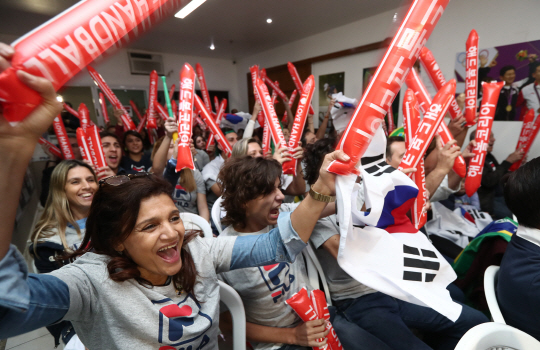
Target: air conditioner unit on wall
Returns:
[145, 63]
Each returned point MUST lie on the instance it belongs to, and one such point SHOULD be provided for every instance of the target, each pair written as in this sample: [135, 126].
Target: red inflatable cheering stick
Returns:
[270, 115]
[90, 146]
[437, 78]
[415, 83]
[266, 139]
[297, 81]
[84, 116]
[411, 118]
[299, 123]
[51, 148]
[216, 104]
[526, 136]
[490, 96]
[429, 125]
[152, 101]
[274, 86]
[321, 308]
[390, 117]
[60, 48]
[221, 111]
[126, 119]
[204, 88]
[471, 78]
[383, 88]
[63, 140]
[185, 119]
[71, 110]
[103, 105]
[254, 75]
[216, 131]
[171, 92]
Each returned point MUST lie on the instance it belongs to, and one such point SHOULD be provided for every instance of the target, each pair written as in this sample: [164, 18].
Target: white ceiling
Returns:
[238, 28]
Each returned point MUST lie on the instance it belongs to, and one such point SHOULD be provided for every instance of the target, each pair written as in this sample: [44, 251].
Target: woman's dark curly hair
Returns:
[113, 216]
[314, 157]
[244, 179]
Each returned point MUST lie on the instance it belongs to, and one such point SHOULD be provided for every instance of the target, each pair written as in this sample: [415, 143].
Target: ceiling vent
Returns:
[145, 63]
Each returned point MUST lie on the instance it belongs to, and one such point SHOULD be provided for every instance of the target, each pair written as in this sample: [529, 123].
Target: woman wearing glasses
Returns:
[147, 284]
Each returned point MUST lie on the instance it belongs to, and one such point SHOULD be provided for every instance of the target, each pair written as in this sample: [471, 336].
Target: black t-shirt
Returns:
[133, 167]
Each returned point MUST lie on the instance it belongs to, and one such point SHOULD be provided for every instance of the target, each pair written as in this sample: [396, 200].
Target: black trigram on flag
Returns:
[376, 165]
[420, 263]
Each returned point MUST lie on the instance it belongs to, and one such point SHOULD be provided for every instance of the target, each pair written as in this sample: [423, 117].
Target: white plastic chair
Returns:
[232, 300]
[495, 336]
[490, 283]
[314, 270]
[216, 213]
[196, 222]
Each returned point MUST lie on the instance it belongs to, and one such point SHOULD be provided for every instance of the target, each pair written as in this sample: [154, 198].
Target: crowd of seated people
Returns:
[114, 260]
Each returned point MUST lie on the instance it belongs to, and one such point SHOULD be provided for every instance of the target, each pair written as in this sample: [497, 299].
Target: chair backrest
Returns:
[216, 213]
[492, 335]
[196, 222]
[232, 300]
[490, 283]
[314, 270]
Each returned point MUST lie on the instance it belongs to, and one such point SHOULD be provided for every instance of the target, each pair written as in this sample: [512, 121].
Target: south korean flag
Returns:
[380, 247]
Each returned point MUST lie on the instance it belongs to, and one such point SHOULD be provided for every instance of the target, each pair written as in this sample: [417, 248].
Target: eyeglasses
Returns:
[120, 179]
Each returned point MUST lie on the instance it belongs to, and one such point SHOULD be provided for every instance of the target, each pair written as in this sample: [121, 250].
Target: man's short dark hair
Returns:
[314, 157]
[521, 193]
[109, 134]
[244, 179]
[505, 69]
[389, 143]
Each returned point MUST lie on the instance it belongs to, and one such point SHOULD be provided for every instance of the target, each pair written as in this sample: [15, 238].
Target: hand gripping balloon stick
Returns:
[415, 83]
[302, 305]
[216, 131]
[51, 148]
[254, 70]
[471, 78]
[103, 105]
[84, 116]
[297, 81]
[321, 308]
[490, 95]
[152, 101]
[299, 123]
[98, 79]
[437, 78]
[62, 137]
[270, 115]
[383, 88]
[526, 136]
[411, 117]
[169, 105]
[60, 48]
[285, 120]
[429, 125]
[185, 117]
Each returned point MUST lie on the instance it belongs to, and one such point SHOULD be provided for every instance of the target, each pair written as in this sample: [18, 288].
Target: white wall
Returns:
[498, 22]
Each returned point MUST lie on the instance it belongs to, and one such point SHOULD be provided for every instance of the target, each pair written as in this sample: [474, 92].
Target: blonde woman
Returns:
[62, 224]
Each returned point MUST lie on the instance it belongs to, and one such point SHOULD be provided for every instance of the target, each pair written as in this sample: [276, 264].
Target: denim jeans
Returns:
[389, 320]
[351, 336]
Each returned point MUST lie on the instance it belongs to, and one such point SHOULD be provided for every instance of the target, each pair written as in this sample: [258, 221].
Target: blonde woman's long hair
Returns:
[57, 213]
[240, 148]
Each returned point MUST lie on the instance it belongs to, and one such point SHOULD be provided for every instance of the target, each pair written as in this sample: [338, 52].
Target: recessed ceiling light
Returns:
[190, 7]
[212, 47]
[59, 98]
[269, 20]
